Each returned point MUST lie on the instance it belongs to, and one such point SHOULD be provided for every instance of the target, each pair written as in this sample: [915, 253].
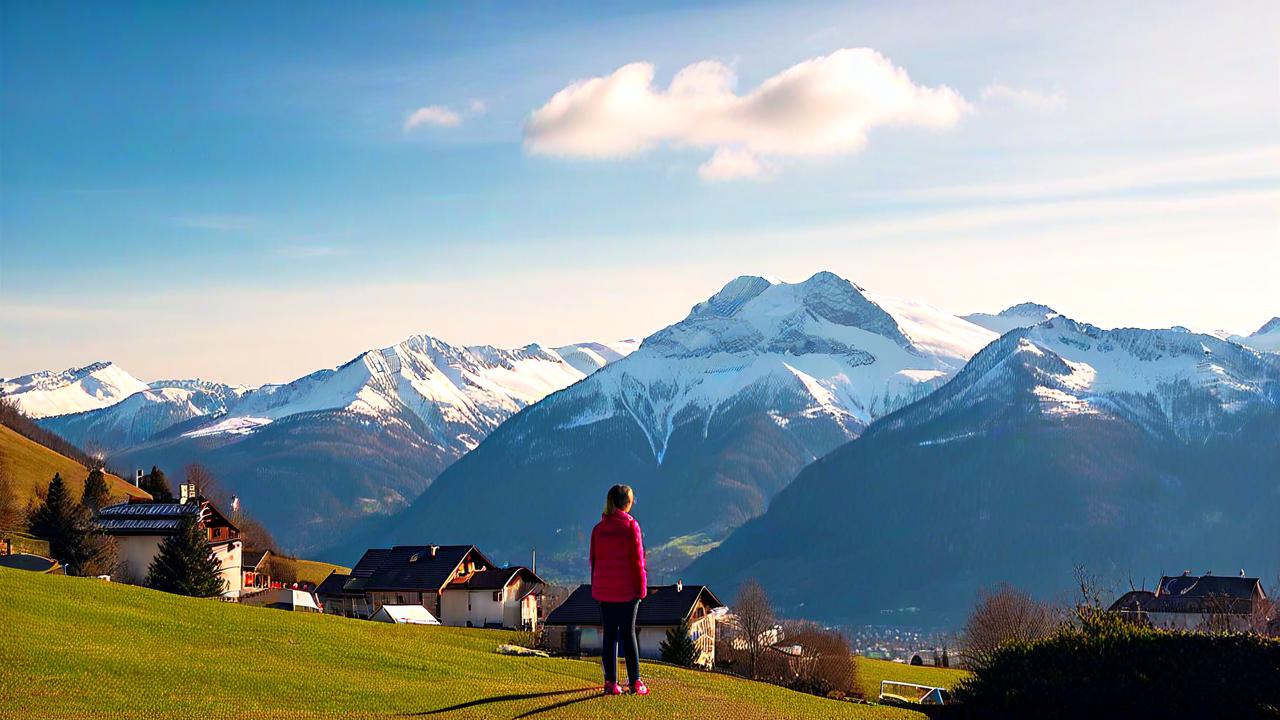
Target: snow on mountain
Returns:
[460, 393]
[591, 356]
[708, 419]
[1017, 316]
[832, 348]
[47, 393]
[143, 414]
[1166, 381]
[1266, 338]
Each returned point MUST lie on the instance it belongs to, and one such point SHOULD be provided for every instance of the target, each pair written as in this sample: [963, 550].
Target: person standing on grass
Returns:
[618, 583]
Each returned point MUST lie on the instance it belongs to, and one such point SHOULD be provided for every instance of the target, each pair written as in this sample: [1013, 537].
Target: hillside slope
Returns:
[75, 648]
[31, 465]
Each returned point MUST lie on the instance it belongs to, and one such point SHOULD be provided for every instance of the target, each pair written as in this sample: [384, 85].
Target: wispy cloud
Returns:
[1001, 94]
[731, 164]
[435, 115]
[822, 106]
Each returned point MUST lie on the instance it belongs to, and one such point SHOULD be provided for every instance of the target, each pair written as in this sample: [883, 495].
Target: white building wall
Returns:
[136, 552]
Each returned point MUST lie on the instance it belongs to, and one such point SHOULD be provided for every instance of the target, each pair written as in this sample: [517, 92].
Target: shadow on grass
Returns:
[557, 705]
[509, 698]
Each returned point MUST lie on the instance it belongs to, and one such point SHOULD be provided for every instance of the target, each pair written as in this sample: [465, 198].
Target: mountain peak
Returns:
[1270, 326]
[1028, 309]
[736, 293]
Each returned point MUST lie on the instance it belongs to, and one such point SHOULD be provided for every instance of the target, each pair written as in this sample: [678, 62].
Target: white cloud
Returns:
[1026, 97]
[437, 115]
[478, 107]
[823, 106]
[730, 164]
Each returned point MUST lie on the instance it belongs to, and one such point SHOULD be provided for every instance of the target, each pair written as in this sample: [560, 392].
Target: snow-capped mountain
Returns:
[139, 416]
[1017, 316]
[46, 393]
[1165, 381]
[313, 456]
[708, 419]
[589, 357]
[1058, 445]
[1266, 338]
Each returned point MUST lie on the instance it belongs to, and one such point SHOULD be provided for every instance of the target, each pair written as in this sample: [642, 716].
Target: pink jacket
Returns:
[617, 559]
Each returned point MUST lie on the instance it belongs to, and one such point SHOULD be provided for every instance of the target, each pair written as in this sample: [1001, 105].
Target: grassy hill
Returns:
[76, 647]
[871, 672]
[31, 465]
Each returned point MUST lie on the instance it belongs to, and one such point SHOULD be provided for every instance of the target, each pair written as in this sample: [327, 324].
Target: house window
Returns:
[399, 599]
[497, 596]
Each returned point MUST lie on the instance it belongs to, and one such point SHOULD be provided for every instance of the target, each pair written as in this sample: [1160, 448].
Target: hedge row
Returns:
[1111, 668]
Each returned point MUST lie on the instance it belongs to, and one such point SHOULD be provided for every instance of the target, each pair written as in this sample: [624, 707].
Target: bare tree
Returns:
[1001, 616]
[821, 660]
[206, 483]
[753, 623]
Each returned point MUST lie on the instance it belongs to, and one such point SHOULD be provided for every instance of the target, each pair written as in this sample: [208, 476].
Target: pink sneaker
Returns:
[611, 688]
[639, 688]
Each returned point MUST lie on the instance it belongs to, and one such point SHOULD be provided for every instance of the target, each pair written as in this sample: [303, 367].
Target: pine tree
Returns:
[66, 525]
[95, 490]
[184, 565]
[157, 485]
[679, 648]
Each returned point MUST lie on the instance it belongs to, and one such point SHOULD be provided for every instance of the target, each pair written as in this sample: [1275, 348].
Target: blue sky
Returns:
[234, 191]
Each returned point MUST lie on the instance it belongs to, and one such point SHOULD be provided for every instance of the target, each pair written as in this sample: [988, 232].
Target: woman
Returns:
[618, 582]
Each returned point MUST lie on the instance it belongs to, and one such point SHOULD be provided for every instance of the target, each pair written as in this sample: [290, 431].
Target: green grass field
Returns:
[31, 465]
[81, 648]
[871, 672]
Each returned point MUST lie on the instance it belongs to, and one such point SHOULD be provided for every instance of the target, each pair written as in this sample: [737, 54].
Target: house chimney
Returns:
[1186, 573]
[186, 491]
[434, 548]
[679, 585]
[1241, 572]
[137, 479]
[235, 504]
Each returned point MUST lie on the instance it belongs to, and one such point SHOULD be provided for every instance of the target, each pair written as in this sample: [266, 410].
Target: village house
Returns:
[1188, 602]
[575, 626]
[139, 528]
[254, 568]
[457, 584]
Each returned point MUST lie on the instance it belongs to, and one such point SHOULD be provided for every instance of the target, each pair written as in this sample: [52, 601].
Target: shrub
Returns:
[1110, 668]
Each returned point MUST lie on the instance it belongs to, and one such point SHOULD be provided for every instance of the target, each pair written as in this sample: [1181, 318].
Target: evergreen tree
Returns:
[95, 490]
[184, 565]
[679, 648]
[157, 484]
[65, 524]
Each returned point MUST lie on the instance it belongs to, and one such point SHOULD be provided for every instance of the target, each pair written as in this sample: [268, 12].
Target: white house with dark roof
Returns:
[140, 527]
[457, 584]
[575, 626]
[1190, 602]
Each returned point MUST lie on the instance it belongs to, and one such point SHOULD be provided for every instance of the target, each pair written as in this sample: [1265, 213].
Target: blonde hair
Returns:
[618, 497]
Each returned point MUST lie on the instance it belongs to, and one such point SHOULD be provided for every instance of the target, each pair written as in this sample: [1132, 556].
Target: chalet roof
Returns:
[1146, 601]
[1224, 586]
[157, 518]
[162, 518]
[664, 605]
[333, 584]
[410, 567]
[251, 560]
[498, 578]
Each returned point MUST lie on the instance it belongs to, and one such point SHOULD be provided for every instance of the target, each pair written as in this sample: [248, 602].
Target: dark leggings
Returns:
[620, 628]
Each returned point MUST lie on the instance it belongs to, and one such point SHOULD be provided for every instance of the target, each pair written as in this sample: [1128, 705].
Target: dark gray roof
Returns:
[410, 567]
[25, 561]
[145, 518]
[663, 605]
[1145, 601]
[251, 560]
[333, 585]
[1206, 585]
[498, 578]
